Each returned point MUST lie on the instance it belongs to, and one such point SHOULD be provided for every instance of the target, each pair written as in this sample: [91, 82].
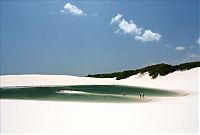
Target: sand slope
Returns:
[179, 80]
[169, 115]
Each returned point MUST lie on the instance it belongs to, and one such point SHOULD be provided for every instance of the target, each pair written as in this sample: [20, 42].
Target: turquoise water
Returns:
[94, 93]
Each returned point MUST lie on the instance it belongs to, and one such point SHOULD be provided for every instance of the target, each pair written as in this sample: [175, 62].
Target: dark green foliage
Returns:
[154, 70]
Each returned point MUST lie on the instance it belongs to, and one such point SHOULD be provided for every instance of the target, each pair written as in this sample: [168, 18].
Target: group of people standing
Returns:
[141, 95]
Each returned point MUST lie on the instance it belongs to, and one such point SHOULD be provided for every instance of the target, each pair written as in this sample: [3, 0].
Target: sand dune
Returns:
[172, 115]
[179, 80]
[51, 80]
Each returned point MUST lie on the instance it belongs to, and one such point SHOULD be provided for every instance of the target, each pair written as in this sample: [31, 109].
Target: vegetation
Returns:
[153, 70]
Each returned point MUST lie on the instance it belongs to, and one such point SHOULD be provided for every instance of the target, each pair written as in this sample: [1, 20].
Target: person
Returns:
[124, 94]
[142, 95]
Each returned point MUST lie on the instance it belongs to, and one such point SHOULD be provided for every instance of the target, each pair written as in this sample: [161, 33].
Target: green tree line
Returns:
[153, 70]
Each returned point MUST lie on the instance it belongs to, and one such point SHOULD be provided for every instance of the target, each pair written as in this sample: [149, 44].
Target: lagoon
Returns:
[86, 93]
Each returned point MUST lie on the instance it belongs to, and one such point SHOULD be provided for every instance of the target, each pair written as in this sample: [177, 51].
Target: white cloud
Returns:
[180, 48]
[117, 18]
[131, 28]
[192, 57]
[73, 9]
[198, 41]
[148, 35]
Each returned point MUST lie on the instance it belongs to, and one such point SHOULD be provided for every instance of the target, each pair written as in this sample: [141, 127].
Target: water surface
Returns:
[86, 93]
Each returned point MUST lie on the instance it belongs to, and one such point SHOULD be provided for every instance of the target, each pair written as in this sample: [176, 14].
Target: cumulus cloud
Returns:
[192, 57]
[73, 10]
[180, 48]
[129, 27]
[125, 26]
[117, 18]
[148, 35]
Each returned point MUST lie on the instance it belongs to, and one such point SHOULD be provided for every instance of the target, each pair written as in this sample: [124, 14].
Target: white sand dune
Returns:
[169, 115]
[51, 80]
[179, 80]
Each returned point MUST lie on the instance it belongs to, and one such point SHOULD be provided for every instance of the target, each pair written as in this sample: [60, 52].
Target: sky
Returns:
[88, 37]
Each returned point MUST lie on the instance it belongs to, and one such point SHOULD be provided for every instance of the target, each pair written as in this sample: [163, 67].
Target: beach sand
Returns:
[167, 115]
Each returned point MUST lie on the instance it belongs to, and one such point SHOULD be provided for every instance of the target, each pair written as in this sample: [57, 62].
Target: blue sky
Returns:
[83, 37]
